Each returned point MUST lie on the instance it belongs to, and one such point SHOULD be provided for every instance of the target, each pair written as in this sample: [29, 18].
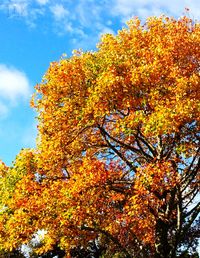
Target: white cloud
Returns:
[123, 7]
[14, 84]
[106, 30]
[68, 27]
[144, 8]
[17, 8]
[59, 12]
[88, 12]
[81, 18]
[42, 2]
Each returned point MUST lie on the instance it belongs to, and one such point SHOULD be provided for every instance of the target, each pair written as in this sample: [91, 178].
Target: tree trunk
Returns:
[162, 246]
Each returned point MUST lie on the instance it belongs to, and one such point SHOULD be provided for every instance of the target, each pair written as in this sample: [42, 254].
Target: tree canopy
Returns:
[117, 160]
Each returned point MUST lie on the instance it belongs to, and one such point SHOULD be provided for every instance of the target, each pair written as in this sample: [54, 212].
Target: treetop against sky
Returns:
[117, 159]
[37, 32]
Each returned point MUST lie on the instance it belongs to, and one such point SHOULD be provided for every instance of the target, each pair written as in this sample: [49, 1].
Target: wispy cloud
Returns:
[144, 8]
[83, 19]
[89, 12]
[76, 19]
[14, 86]
[59, 12]
[17, 8]
[27, 11]
[105, 30]
[42, 2]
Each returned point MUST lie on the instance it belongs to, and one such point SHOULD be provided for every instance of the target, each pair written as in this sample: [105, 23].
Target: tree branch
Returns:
[104, 133]
[111, 237]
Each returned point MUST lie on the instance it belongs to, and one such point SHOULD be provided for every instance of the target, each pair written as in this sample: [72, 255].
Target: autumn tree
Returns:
[117, 160]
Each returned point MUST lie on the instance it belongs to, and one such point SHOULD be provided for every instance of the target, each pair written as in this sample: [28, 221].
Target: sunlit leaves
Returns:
[118, 146]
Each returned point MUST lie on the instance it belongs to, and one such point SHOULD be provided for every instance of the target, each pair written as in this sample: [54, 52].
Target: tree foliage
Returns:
[117, 159]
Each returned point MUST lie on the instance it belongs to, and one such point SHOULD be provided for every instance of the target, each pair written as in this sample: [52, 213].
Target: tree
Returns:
[117, 159]
[12, 254]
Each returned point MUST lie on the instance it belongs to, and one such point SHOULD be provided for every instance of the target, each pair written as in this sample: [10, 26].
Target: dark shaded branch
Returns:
[126, 146]
[148, 157]
[190, 177]
[77, 134]
[196, 211]
[119, 185]
[190, 173]
[195, 208]
[109, 236]
[191, 195]
[104, 133]
[142, 138]
[176, 139]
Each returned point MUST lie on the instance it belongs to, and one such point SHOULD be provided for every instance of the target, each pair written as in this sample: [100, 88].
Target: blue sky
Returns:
[37, 32]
